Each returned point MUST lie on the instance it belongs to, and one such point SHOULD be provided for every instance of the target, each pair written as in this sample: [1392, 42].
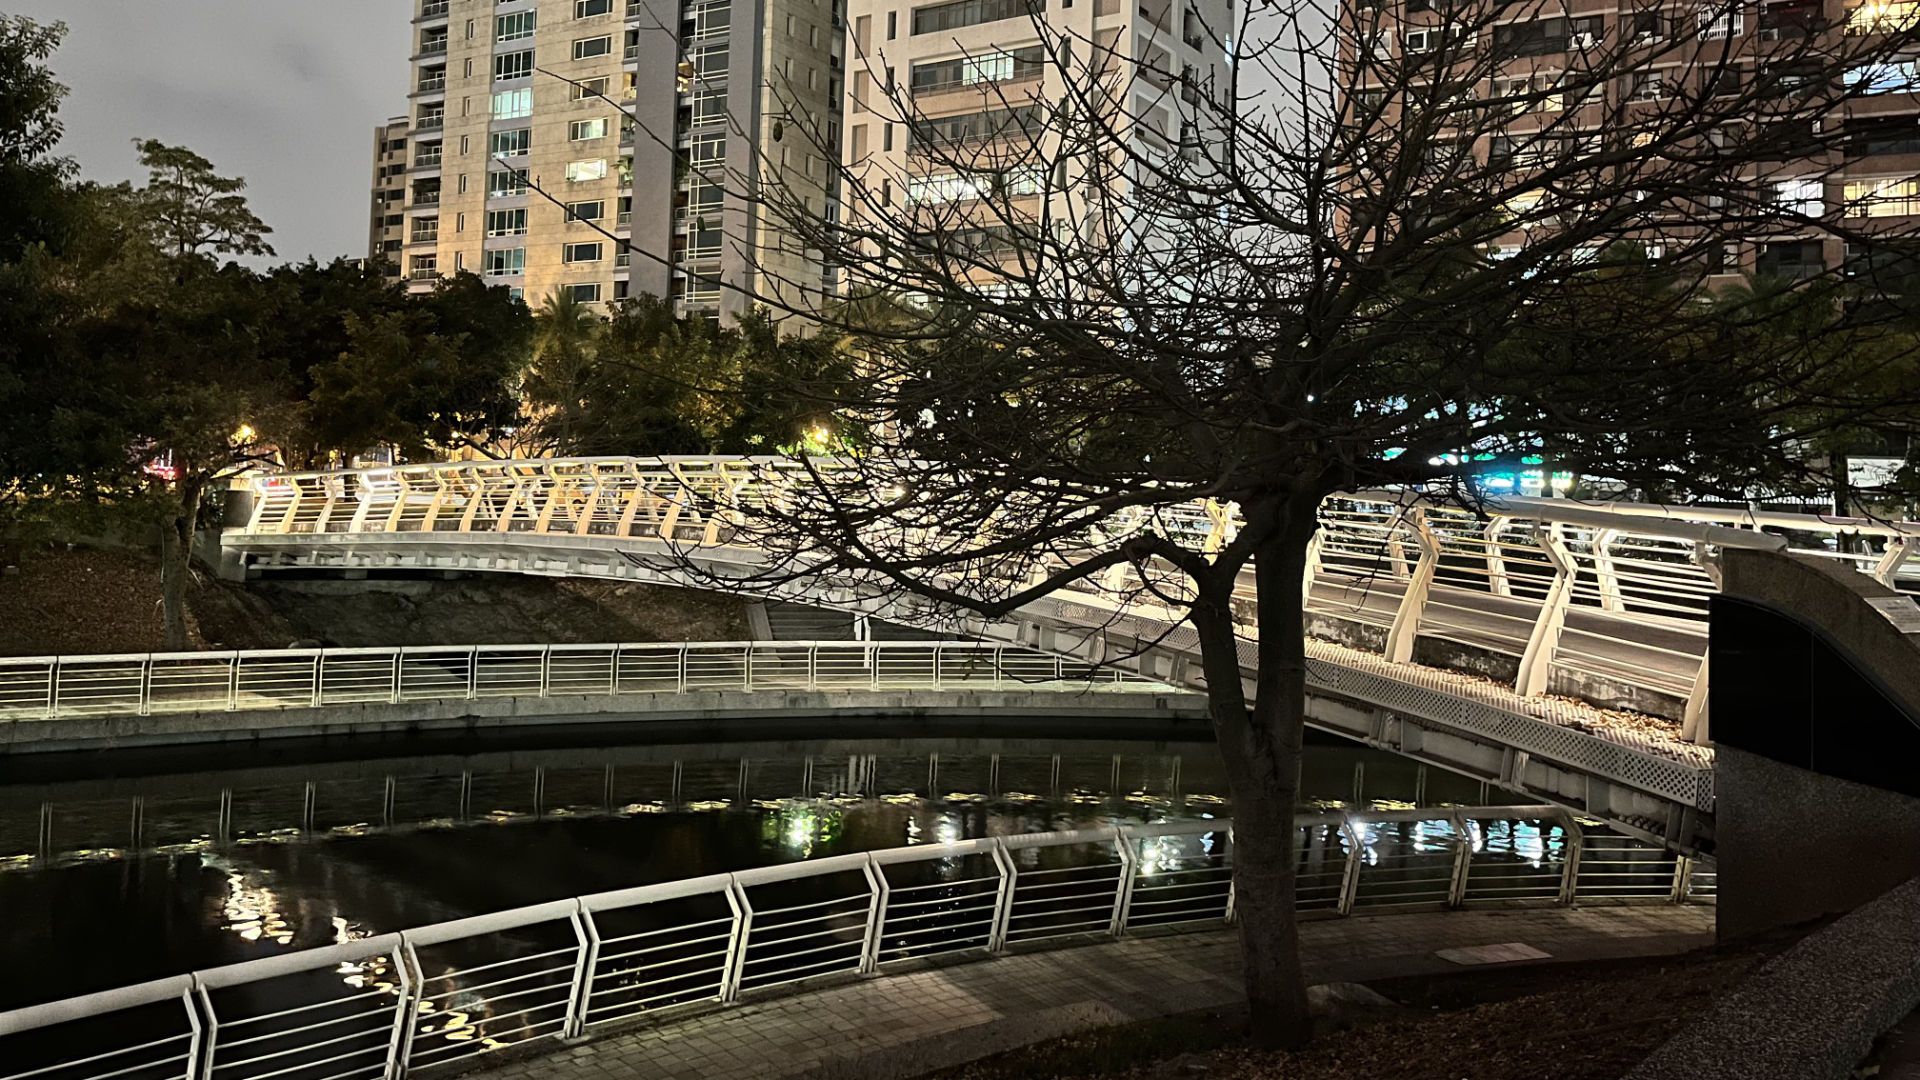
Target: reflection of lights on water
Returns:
[900, 799]
[642, 808]
[253, 911]
[704, 805]
[946, 829]
[913, 831]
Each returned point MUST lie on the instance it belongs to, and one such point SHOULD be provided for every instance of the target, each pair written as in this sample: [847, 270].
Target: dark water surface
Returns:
[131, 868]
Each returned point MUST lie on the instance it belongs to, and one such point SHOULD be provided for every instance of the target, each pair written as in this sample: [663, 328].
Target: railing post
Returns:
[202, 1065]
[1497, 582]
[398, 659]
[1536, 663]
[1576, 841]
[546, 670]
[1888, 568]
[1682, 880]
[1462, 860]
[53, 687]
[1694, 723]
[146, 685]
[588, 937]
[1311, 569]
[1605, 578]
[813, 667]
[1003, 896]
[233, 679]
[682, 670]
[473, 672]
[736, 960]
[1123, 889]
[197, 1034]
[1406, 620]
[406, 964]
[1356, 856]
[878, 893]
[319, 679]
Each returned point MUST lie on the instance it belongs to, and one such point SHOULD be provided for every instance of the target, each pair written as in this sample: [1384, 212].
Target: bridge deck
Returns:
[1636, 731]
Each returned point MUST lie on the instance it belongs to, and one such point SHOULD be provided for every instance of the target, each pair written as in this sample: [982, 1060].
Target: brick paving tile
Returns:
[1139, 976]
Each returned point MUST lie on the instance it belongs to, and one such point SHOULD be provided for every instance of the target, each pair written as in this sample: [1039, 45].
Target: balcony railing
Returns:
[433, 48]
[430, 123]
[433, 83]
[424, 199]
[433, 9]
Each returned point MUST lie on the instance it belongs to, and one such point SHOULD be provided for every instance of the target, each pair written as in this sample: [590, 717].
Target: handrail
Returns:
[142, 684]
[590, 967]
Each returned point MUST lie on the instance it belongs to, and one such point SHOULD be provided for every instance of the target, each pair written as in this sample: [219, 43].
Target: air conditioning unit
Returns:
[1581, 41]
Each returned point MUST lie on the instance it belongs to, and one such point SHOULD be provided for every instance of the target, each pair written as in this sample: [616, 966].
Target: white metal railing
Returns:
[388, 1005]
[1569, 593]
[51, 687]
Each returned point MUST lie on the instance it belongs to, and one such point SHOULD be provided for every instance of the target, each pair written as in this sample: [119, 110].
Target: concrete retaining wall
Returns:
[1104, 712]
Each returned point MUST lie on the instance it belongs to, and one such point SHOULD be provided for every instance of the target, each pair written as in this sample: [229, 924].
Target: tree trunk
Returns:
[176, 564]
[1261, 745]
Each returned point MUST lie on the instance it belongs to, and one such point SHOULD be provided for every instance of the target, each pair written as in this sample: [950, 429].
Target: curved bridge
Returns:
[1553, 647]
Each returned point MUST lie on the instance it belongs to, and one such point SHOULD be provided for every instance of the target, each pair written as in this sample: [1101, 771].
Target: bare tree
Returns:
[1380, 245]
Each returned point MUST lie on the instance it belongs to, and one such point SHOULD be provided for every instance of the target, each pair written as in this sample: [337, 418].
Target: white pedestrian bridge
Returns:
[1549, 646]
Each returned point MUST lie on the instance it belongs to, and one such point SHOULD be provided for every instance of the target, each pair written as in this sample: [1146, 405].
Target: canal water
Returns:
[127, 868]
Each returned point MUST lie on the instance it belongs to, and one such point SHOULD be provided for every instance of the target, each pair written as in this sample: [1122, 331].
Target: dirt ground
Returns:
[67, 601]
[1553, 1022]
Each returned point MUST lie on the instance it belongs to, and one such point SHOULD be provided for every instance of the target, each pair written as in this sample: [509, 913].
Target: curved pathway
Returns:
[903, 1024]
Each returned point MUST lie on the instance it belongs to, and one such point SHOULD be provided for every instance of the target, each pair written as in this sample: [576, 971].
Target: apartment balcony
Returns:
[430, 123]
[427, 161]
[423, 274]
[434, 48]
[436, 84]
[432, 237]
[434, 9]
[422, 199]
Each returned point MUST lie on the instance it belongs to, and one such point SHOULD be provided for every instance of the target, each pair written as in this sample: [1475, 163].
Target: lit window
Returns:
[581, 253]
[1803, 197]
[1892, 77]
[1892, 197]
[582, 130]
[1883, 17]
[581, 171]
[505, 261]
[593, 46]
[512, 104]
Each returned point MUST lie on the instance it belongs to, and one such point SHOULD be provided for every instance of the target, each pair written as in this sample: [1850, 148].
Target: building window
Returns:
[1891, 77]
[586, 293]
[583, 130]
[1883, 17]
[593, 46]
[984, 67]
[510, 143]
[421, 267]
[1792, 259]
[505, 182]
[958, 13]
[1648, 86]
[893, 24]
[1891, 197]
[512, 104]
[589, 88]
[587, 9]
[593, 210]
[504, 261]
[425, 229]
[466, 145]
[1804, 197]
[513, 27]
[582, 171]
[580, 253]
[507, 222]
[513, 65]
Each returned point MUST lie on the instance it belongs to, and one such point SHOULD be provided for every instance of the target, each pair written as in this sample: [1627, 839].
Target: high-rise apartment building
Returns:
[386, 225]
[608, 148]
[954, 100]
[1586, 72]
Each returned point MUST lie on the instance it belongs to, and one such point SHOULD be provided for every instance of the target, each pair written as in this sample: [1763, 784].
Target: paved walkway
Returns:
[901, 1024]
